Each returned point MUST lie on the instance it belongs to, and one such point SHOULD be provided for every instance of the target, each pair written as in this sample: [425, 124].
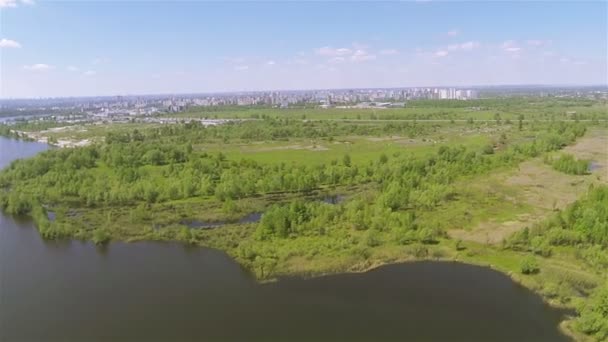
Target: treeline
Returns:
[6, 131]
[135, 167]
[498, 103]
[265, 130]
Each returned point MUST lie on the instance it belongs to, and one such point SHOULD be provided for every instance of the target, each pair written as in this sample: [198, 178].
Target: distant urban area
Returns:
[121, 108]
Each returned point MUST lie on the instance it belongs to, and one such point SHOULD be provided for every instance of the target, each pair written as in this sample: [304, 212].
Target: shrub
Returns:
[100, 237]
[566, 163]
[529, 265]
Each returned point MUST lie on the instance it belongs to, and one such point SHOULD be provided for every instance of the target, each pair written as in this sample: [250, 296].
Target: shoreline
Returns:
[564, 326]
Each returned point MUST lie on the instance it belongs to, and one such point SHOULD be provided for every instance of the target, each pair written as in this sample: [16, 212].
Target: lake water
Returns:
[75, 291]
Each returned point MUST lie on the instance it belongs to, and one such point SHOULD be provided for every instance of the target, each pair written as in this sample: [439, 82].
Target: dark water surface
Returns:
[250, 218]
[75, 291]
[594, 166]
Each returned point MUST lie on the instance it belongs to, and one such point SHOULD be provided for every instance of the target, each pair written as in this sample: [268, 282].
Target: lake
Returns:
[76, 291]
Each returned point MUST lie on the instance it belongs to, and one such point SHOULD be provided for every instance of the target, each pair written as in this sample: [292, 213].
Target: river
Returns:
[75, 291]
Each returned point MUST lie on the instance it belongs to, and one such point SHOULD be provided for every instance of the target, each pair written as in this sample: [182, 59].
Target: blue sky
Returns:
[74, 48]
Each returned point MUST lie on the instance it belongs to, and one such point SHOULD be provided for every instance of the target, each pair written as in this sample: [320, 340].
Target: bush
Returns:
[418, 251]
[529, 265]
[100, 237]
[570, 165]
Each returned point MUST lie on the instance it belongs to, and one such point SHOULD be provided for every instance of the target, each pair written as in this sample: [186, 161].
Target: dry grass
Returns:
[541, 188]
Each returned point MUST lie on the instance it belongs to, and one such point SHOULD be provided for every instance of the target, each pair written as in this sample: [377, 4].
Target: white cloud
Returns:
[441, 53]
[8, 43]
[339, 55]
[388, 52]
[580, 63]
[336, 60]
[8, 3]
[564, 59]
[271, 62]
[72, 68]
[467, 46]
[14, 3]
[510, 46]
[90, 73]
[38, 67]
[329, 51]
[241, 67]
[362, 56]
[453, 33]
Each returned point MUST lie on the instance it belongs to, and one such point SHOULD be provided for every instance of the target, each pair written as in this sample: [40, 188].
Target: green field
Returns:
[490, 109]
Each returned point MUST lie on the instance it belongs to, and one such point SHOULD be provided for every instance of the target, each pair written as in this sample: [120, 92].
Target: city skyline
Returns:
[105, 49]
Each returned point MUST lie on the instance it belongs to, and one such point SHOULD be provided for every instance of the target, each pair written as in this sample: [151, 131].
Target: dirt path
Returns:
[543, 189]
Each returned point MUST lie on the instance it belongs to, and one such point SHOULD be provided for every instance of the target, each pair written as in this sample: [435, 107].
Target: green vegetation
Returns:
[513, 109]
[403, 186]
[582, 229]
[160, 165]
[566, 163]
[529, 265]
[594, 315]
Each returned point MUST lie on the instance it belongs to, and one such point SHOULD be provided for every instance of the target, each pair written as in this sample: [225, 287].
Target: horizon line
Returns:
[539, 85]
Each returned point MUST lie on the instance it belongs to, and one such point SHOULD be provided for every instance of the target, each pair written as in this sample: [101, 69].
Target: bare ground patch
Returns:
[388, 138]
[291, 147]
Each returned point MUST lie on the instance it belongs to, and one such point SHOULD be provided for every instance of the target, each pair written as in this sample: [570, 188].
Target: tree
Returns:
[593, 313]
[520, 120]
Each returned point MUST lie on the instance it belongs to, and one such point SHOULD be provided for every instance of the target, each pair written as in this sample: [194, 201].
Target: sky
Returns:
[85, 48]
